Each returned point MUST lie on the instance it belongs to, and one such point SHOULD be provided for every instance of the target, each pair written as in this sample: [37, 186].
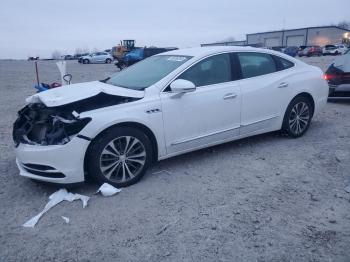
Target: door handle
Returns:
[283, 85]
[230, 96]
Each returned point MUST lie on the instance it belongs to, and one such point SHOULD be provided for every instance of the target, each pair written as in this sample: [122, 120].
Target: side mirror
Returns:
[182, 86]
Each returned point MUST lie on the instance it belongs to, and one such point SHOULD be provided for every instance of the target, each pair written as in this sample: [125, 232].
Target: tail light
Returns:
[328, 77]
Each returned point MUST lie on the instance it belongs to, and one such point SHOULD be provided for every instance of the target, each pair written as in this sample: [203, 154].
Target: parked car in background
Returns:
[301, 50]
[279, 48]
[308, 51]
[338, 76]
[68, 57]
[33, 58]
[291, 51]
[166, 105]
[139, 54]
[334, 49]
[79, 56]
[96, 58]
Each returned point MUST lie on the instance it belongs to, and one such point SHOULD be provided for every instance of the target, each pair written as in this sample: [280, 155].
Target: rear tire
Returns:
[86, 61]
[119, 156]
[298, 117]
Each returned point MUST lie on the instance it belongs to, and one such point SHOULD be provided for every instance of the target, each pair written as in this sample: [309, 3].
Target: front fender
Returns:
[149, 115]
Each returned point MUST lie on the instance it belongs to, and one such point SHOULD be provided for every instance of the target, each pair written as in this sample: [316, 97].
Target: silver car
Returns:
[97, 58]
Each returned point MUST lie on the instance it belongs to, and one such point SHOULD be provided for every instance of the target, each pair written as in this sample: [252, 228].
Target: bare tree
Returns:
[85, 50]
[227, 39]
[230, 39]
[56, 55]
[78, 51]
[344, 24]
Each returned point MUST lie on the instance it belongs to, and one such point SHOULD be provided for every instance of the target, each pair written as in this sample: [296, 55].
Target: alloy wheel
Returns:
[122, 159]
[299, 118]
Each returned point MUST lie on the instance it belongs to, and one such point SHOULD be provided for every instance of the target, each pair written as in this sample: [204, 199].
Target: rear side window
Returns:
[256, 64]
[282, 64]
[212, 70]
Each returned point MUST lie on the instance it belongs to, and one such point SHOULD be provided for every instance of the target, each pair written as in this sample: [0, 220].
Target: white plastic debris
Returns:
[56, 198]
[62, 68]
[66, 219]
[108, 190]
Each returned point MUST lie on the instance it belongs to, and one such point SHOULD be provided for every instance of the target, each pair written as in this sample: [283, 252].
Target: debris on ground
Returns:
[108, 190]
[66, 219]
[162, 171]
[164, 228]
[56, 198]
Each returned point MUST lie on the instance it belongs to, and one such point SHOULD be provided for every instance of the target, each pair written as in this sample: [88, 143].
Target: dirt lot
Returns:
[266, 198]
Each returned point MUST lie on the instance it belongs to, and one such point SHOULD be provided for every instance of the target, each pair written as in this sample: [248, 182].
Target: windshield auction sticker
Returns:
[177, 58]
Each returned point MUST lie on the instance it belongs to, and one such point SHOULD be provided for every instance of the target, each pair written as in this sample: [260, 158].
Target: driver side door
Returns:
[208, 115]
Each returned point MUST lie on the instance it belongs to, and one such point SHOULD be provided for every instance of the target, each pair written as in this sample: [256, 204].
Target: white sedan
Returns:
[96, 58]
[166, 105]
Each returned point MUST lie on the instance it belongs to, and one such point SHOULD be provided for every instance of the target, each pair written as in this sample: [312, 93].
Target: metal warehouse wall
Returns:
[308, 36]
[305, 36]
[259, 39]
[325, 36]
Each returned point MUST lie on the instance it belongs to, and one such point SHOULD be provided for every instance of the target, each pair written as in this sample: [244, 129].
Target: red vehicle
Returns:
[308, 51]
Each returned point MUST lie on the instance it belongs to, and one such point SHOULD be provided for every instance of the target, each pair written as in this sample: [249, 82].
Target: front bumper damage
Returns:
[40, 125]
[47, 145]
[47, 137]
[62, 164]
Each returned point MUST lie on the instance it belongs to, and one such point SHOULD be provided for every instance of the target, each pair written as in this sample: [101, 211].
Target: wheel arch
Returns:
[149, 133]
[309, 97]
[301, 94]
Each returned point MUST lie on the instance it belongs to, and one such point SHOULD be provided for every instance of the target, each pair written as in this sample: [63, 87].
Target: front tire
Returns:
[86, 61]
[298, 117]
[120, 156]
[108, 61]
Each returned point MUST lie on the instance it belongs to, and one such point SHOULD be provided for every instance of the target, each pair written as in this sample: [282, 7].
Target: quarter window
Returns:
[256, 64]
[282, 64]
[285, 63]
[212, 70]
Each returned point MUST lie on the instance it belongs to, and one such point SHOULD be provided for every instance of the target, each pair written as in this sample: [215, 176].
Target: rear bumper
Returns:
[63, 164]
[339, 88]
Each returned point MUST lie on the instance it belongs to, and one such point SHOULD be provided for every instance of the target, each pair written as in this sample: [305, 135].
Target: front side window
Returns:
[212, 70]
[147, 72]
[256, 64]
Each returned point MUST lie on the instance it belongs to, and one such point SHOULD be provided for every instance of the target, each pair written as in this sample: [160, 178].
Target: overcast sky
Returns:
[38, 27]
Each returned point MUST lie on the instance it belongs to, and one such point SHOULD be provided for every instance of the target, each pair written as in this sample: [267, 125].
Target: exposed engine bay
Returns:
[38, 124]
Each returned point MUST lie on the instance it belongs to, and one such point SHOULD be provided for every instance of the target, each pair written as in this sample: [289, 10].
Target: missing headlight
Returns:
[40, 125]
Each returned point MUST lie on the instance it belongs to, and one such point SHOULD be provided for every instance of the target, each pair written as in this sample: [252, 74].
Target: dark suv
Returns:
[308, 51]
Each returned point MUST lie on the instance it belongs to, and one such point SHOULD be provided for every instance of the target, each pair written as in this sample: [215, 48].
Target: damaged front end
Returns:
[40, 125]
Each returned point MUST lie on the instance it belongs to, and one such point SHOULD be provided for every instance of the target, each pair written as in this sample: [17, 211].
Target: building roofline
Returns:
[217, 43]
[303, 28]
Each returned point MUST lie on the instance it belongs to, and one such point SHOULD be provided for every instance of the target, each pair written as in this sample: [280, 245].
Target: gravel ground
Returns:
[265, 198]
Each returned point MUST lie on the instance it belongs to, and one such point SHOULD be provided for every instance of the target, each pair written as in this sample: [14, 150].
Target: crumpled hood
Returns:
[75, 92]
[343, 63]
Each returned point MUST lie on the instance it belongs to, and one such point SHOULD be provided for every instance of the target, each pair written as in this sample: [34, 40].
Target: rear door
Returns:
[265, 90]
[101, 57]
[208, 115]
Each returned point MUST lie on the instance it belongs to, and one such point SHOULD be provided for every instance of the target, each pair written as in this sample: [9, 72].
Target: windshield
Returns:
[147, 72]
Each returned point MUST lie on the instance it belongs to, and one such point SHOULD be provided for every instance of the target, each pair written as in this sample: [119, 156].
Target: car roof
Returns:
[208, 50]
[200, 52]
